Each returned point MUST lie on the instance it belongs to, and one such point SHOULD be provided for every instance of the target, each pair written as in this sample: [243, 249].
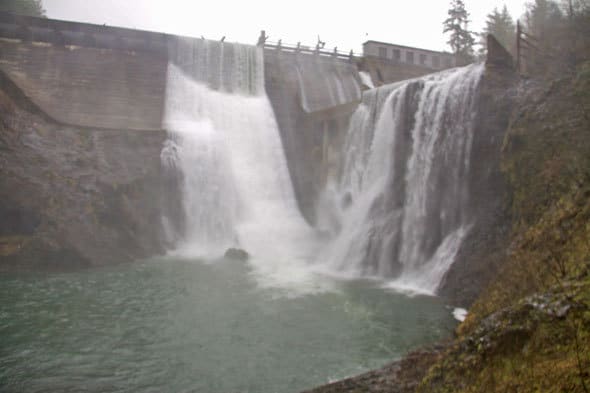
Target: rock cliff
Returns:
[73, 196]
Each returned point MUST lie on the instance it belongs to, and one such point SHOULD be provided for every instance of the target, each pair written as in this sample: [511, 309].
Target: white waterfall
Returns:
[397, 211]
[404, 185]
[325, 83]
[224, 140]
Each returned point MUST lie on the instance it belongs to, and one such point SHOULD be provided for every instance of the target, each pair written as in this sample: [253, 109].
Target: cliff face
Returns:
[529, 331]
[485, 246]
[72, 197]
[526, 265]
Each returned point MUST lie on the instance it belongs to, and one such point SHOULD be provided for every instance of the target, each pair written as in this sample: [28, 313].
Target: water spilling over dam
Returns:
[399, 208]
[224, 140]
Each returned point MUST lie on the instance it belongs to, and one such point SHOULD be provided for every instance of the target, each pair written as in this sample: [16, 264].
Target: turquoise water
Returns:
[168, 325]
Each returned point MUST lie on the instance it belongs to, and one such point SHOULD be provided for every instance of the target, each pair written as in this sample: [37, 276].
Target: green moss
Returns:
[521, 349]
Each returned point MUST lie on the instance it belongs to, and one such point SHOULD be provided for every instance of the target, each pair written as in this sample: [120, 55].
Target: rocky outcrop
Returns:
[529, 330]
[484, 249]
[485, 246]
[72, 197]
[402, 376]
[237, 254]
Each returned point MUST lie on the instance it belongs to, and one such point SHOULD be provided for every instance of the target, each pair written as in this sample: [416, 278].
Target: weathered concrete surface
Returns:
[60, 32]
[385, 71]
[89, 87]
[87, 75]
[312, 134]
[74, 79]
[72, 197]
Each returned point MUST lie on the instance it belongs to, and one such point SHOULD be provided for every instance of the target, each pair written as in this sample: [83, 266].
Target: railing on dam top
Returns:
[298, 48]
[279, 46]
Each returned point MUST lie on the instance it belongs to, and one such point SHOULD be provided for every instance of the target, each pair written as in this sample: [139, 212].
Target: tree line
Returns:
[23, 7]
[560, 30]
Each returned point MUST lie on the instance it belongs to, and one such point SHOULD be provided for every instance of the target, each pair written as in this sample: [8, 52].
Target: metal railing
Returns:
[318, 50]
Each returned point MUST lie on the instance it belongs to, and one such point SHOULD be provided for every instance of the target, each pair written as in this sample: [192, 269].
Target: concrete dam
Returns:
[106, 112]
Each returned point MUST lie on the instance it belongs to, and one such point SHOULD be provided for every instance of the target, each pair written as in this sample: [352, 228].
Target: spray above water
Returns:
[224, 141]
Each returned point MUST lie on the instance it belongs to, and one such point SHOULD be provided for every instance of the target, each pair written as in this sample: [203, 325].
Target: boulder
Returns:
[237, 254]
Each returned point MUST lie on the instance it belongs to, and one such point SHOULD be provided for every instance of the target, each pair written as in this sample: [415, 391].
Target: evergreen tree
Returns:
[501, 25]
[23, 7]
[542, 17]
[461, 39]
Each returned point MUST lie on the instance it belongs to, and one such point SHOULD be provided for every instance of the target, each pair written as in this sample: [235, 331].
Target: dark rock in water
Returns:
[346, 200]
[236, 253]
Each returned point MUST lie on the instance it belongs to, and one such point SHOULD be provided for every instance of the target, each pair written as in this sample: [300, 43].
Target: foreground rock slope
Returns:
[529, 329]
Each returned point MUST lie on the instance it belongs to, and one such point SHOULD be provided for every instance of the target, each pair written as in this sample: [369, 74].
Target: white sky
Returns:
[344, 23]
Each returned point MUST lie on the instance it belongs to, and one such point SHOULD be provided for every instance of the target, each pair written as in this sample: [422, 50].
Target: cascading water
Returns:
[399, 212]
[325, 83]
[403, 190]
[223, 139]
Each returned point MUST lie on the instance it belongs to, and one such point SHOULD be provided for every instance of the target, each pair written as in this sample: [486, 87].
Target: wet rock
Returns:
[402, 376]
[237, 254]
[73, 197]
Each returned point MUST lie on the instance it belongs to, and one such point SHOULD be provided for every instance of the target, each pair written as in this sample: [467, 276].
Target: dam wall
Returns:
[115, 78]
[313, 109]
[89, 87]
[82, 108]
[104, 77]
[87, 75]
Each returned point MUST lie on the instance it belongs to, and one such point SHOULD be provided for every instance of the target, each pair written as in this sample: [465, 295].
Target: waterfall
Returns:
[224, 141]
[366, 79]
[325, 83]
[402, 195]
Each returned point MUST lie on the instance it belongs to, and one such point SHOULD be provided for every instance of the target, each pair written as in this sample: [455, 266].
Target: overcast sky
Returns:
[344, 23]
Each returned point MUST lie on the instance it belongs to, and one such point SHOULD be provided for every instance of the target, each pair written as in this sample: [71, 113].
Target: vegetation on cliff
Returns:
[530, 329]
